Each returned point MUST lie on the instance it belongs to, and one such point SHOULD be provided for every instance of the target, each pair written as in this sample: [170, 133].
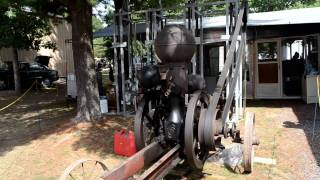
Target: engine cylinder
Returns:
[150, 77]
[175, 44]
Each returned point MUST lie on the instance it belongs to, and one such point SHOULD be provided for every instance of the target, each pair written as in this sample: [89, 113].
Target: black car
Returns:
[29, 72]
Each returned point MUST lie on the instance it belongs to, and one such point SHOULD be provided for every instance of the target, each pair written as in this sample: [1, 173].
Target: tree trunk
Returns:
[16, 73]
[88, 107]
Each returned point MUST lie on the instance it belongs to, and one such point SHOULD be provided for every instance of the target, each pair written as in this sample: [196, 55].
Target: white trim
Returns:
[255, 61]
[318, 51]
[256, 73]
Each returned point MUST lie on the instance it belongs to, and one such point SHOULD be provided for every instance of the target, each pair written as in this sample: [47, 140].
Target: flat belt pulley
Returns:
[195, 148]
[212, 124]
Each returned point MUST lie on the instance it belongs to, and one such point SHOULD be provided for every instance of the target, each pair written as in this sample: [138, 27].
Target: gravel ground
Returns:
[285, 131]
[295, 149]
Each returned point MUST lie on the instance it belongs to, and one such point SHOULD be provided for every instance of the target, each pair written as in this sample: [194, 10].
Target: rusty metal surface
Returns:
[159, 169]
[135, 163]
[201, 125]
[196, 152]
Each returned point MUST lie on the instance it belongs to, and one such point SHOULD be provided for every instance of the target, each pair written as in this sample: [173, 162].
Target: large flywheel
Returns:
[195, 148]
[143, 130]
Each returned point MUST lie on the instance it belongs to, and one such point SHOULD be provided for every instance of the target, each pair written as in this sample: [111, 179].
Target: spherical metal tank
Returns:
[175, 44]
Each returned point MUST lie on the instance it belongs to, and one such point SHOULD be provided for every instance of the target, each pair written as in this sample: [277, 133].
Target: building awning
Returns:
[108, 31]
[285, 17]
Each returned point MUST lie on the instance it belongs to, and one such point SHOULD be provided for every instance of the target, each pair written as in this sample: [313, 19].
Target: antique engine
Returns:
[176, 119]
[162, 111]
[176, 109]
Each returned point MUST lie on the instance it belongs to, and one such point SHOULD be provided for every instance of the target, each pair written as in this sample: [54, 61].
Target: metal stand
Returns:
[153, 20]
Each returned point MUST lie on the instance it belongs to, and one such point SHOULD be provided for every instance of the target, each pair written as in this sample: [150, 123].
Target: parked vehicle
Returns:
[35, 71]
[29, 72]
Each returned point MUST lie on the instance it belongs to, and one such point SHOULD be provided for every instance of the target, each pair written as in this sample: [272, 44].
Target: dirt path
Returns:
[38, 140]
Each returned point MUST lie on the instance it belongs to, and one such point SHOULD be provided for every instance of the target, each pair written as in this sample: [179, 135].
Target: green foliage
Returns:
[275, 5]
[109, 17]
[255, 5]
[139, 49]
[96, 23]
[22, 29]
[109, 50]
[99, 47]
[99, 44]
[102, 48]
[310, 4]
[146, 4]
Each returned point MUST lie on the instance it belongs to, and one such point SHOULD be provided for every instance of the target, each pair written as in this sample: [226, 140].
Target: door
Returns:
[213, 66]
[268, 80]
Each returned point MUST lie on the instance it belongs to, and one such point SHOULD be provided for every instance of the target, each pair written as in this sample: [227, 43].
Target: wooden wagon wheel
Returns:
[84, 169]
[249, 140]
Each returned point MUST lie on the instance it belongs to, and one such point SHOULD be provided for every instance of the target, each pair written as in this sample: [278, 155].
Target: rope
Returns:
[9, 105]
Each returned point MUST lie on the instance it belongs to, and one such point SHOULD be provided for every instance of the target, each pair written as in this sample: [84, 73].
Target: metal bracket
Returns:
[197, 40]
[227, 37]
[149, 42]
[117, 45]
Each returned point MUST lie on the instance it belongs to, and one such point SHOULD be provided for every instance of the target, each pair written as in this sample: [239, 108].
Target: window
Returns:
[311, 54]
[3, 66]
[35, 66]
[268, 62]
[292, 49]
[214, 65]
[23, 66]
[267, 52]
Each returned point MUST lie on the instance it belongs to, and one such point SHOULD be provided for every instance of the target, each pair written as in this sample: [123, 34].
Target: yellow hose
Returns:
[9, 105]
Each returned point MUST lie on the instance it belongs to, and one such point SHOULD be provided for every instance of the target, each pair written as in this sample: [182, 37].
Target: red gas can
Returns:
[124, 143]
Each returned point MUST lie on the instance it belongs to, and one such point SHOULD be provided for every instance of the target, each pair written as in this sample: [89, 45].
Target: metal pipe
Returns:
[147, 32]
[115, 61]
[129, 47]
[122, 65]
[193, 29]
[201, 48]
